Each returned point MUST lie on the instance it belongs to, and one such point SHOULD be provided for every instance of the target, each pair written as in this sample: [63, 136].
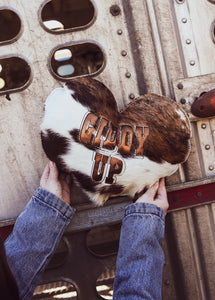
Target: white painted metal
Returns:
[160, 46]
[22, 158]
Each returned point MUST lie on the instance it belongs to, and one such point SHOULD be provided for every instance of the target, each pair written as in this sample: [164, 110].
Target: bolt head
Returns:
[203, 125]
[131, 96]
[119, 31]
[175, 198]
[123, 53]
[207, 147]
[192, 62]
[184, 20]
[128, 74]
[183, 101]
[180, 86]
[115, 10]
[198, 194]
[211, 167]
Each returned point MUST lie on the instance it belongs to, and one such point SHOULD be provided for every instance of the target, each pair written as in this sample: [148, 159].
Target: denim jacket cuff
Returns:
[54, 202]
[145, 209]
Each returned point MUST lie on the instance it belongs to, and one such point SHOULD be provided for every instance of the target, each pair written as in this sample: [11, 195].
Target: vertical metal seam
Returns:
[162, 69]
[198, 148]
[195, 253]
[133, 42]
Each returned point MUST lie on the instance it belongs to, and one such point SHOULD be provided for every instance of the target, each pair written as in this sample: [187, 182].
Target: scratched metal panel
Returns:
[173, 42]
[189, 242]
[159, 54]
[22, 158]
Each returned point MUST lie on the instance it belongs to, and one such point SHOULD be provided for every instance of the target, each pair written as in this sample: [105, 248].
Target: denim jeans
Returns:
[140, 257]
[35, 237]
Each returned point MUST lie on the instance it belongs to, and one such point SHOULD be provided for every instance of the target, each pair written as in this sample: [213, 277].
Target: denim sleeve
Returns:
[35, 237]
[140, 257]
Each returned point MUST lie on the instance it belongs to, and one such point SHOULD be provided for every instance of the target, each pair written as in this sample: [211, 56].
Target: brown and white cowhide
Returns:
[109, 152]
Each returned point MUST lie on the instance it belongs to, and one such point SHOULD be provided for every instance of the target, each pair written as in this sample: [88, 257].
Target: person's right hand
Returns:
[156, 195]
[50, 181]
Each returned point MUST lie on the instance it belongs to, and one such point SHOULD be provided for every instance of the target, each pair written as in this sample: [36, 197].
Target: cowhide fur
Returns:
[166, 145]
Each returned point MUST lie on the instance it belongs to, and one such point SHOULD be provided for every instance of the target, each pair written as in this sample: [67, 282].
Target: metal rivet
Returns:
[123, 53]
[119, 31]
[198, 194]
[128, 74]
[192, 62]
[115, 10]
[203, 125]
[180, 86]
[211, 167]
[184, 20]
[207, 147]
[175, 198]
[131, 96]
[188, 41]
[183, 101]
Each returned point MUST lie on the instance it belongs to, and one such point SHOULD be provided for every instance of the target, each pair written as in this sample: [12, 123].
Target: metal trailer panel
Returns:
[166, 43]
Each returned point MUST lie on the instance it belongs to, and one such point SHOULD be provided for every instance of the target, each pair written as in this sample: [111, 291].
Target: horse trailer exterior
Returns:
[134, 47]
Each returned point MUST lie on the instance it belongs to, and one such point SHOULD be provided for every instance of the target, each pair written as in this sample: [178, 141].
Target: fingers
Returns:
[156, 195]
[53, 176]
[151, 192]
[161, 199]
[149, 195]
[51, 182]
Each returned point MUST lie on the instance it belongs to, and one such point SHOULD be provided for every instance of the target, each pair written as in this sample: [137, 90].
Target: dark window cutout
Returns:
[105, 287]
[10, 26]
[55, 290]
[75, 60]
[15, 74]
[104, 241]
[66, 15]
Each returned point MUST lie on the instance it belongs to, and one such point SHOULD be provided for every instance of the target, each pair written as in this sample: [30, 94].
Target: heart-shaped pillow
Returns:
[109, 152]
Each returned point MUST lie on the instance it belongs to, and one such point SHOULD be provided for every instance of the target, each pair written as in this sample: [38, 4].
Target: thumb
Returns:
[151, 192]
[53, 171]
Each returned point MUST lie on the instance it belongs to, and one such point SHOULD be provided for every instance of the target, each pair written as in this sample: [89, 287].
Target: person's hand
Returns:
[50, 181]
[157, 195]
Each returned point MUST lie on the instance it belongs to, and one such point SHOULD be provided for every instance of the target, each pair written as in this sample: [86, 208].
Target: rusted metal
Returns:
[204, 106]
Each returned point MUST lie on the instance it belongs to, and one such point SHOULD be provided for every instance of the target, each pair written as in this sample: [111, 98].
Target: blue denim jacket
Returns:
[40, 226]
[140, 257]
[35, 237]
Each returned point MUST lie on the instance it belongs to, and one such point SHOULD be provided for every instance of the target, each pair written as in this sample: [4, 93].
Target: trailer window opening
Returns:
[59, 289]
[10, 25]
[15, 74]
[67, 15]
[105, 287]
[77, 60]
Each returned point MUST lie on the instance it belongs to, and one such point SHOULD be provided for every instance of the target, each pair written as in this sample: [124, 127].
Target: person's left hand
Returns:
[156, 195]
[50, 181]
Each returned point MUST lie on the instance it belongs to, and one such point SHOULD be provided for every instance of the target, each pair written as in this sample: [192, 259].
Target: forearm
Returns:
[140, 257]
[35, 237]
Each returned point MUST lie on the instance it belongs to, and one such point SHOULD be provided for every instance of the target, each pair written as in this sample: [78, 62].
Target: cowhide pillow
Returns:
[109, 152]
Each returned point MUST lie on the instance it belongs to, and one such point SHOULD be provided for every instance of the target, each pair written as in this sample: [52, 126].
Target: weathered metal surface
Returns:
[21, 152]
[161, 44]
